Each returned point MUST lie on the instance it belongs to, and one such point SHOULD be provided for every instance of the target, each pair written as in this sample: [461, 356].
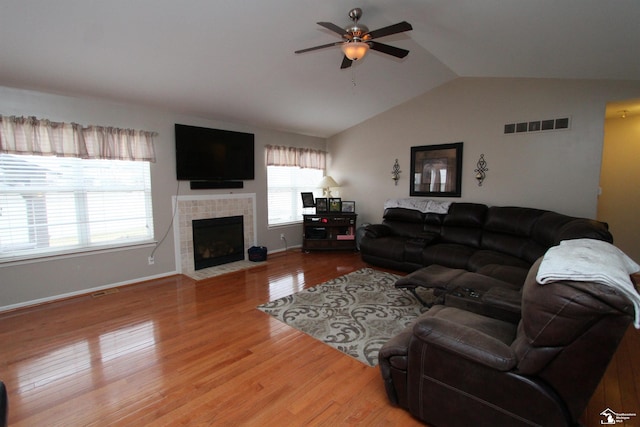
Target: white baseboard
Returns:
[82, 292]
[101, 288]
[275, 251]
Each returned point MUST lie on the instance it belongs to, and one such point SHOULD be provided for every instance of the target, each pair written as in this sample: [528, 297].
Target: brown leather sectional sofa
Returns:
[455, 367]
[500, 242]
[498, 348]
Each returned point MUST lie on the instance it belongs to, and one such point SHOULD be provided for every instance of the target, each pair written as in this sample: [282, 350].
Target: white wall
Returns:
[619, 203]
[555, 170]
[26, 283]
[552, 170]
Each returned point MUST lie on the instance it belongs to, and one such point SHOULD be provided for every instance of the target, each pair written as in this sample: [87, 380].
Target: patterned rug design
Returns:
[355, 313]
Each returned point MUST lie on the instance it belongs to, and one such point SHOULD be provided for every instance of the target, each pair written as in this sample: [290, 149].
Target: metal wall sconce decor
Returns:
[395, 173]
[481, 170]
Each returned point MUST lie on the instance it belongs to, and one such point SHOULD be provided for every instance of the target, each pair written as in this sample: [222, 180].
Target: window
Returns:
[67, 188]
[52, 205]
[285, 185]
[291, 171]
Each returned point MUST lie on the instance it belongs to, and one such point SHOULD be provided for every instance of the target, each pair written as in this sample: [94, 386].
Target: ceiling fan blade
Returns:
[389, 50]
[391, 29]
[309, 49]
[334, 28]
[346, 63]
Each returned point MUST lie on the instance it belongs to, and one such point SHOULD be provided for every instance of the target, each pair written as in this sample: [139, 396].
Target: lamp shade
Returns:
[355, 50]
[327, 182]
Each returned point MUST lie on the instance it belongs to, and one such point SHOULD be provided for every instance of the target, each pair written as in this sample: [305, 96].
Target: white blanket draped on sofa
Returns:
[422, 205]
[591, 260]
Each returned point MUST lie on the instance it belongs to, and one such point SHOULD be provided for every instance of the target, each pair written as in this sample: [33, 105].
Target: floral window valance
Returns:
[292, 156]
[29, 135]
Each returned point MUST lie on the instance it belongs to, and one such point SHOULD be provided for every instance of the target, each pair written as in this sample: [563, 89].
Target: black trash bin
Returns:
[257, 253]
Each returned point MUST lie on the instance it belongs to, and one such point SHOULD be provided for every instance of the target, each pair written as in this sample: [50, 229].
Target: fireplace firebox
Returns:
[217, 241]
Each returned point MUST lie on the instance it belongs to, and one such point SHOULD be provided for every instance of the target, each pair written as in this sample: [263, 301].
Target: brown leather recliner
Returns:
[4, 405]
[458, 368]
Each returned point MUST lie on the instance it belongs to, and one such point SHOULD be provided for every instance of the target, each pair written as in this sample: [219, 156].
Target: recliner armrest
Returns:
[424, 239]
[503, 298]
[465, 342]
[377, 230]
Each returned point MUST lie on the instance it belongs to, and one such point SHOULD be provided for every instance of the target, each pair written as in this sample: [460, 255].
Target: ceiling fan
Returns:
[358, 39]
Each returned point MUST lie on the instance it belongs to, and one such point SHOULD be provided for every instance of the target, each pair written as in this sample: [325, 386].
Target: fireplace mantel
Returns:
[209, 206]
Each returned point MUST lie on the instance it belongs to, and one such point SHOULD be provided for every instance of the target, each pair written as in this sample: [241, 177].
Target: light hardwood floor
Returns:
[177, 352]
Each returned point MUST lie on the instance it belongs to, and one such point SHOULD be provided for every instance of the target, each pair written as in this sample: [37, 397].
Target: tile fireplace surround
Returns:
[211, 206]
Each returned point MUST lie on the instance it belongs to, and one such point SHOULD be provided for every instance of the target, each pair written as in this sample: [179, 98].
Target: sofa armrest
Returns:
[503, 298]
[397, 345]
[377, 230]
[465, 342]
[392, 360]
[476, 302]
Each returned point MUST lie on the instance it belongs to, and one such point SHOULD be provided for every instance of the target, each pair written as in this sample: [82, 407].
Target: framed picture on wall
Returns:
[321, 205]
[436, 170]
[335, 204]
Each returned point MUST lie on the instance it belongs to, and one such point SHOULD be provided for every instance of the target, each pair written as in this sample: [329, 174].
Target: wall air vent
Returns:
[104, 292]
[537, 126]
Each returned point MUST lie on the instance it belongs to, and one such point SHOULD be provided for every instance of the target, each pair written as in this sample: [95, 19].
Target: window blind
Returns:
[51, 205]
[285, 183]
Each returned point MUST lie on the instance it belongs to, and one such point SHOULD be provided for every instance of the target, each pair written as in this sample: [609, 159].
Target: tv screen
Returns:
[204, 154]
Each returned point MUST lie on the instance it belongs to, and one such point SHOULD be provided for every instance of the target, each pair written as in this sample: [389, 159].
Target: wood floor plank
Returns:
[174, 351]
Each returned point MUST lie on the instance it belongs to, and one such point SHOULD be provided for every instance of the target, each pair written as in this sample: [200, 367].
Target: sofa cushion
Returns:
[465, 215]
[518, 246]
[433, 222]
[483, 257]
[448, 254]
[404, 215]
[479, 282]
[508, 230]
[581, 228]
[463, 236]
[404, 229]
[463, 224]
[512, 220]
[403, 222]
[414, 246]
[546, 229]
[552, 228]
[378, 230]
[433, 276]
[506, 273]
[434, 219]
[390, 247]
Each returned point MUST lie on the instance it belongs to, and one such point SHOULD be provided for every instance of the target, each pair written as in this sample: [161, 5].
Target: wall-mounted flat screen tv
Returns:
[204, 154]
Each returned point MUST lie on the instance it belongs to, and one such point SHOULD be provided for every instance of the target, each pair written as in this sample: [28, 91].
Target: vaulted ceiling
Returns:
[235, 61]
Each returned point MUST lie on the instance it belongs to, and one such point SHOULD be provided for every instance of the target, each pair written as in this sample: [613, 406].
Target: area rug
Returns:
[355, 313]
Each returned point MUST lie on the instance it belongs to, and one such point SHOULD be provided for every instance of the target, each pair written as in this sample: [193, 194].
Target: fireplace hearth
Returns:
[217, 241]
[199, 206]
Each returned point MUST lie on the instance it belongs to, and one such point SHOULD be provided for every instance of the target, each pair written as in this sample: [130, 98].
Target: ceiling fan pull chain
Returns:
[353, 77]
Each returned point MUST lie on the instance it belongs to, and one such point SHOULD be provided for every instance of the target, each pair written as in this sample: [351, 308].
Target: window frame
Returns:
[295, 198]
[81, 193]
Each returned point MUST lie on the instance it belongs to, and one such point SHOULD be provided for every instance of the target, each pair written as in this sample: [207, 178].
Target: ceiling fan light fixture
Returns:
[357, 39]
[355, 50]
